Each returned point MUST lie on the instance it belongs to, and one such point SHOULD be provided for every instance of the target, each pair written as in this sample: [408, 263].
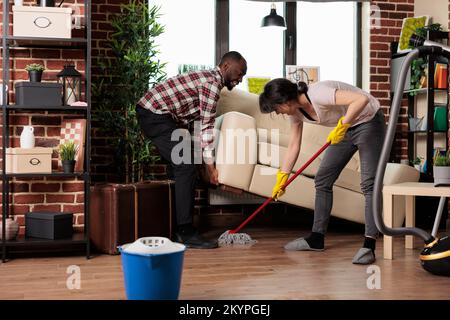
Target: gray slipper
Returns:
[299, 244]
[364, 256]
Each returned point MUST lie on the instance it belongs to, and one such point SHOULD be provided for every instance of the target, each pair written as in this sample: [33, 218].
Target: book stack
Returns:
[441, 76]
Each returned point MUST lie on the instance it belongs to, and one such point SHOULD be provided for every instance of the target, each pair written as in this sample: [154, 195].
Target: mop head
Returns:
[228, 238]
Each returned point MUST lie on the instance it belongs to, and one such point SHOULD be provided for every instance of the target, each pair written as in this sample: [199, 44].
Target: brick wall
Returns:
[392, 14]
[60, 194]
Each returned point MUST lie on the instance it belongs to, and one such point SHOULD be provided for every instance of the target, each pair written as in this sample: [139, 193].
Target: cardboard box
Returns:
[33, 160]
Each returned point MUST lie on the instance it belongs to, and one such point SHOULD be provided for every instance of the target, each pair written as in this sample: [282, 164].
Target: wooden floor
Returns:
[262, 271]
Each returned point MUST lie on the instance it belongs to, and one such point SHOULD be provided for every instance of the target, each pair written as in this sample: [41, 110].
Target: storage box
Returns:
[33, 160]
[46, 22]
[49, 225]
[38, 94]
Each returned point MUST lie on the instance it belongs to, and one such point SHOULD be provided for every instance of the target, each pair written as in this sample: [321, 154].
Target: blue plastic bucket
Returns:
[153, 276]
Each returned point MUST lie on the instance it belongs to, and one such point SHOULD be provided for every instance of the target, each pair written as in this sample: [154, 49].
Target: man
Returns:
[178, 102]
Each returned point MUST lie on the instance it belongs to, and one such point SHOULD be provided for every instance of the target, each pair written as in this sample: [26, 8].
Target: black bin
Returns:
[38, 94]
[48, 225]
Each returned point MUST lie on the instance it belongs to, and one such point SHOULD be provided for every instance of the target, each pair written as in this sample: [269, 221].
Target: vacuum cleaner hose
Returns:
[384, 158]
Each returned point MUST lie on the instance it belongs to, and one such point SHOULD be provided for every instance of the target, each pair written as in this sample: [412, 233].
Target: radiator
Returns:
[221, 197]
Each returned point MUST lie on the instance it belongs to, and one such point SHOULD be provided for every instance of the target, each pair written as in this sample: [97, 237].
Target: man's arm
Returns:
[208, 96]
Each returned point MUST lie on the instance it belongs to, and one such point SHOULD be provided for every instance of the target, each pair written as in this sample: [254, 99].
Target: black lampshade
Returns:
[273, 19]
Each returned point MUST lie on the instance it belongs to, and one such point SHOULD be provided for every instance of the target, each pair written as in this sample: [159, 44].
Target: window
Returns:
[326, 38]
[189, 36]
[261, 47]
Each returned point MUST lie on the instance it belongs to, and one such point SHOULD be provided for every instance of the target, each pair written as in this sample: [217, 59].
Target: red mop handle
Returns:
[243, 224]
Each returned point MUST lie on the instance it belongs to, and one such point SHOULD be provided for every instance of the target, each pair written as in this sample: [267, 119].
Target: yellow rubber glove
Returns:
[277, 191]
[338, 133]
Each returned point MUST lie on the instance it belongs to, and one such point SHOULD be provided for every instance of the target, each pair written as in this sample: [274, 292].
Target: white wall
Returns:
[437, 9]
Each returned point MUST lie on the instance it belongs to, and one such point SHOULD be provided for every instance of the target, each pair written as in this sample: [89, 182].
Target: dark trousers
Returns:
[158, 128]
[368, 139]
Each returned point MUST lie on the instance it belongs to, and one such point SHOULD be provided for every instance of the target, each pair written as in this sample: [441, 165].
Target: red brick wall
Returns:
[56, 194]
[392, 13]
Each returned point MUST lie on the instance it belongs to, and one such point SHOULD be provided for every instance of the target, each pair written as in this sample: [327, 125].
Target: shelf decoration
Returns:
[74, 130]
[70, 79]
[409, 27]
[307, 74]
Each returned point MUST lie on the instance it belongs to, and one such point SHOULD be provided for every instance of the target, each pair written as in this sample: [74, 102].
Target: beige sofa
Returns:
[251, 147]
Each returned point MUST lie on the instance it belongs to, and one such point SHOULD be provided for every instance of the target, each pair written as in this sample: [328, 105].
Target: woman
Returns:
[359, 125]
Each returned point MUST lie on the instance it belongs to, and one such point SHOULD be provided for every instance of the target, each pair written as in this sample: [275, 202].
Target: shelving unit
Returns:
[10, 43]
[429, 93]
[426, 207]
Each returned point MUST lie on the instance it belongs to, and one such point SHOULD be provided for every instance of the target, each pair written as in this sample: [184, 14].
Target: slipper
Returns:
[364, 256]
[300, 244]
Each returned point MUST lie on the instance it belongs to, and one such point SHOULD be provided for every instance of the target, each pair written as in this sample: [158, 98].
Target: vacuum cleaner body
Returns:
[435, 257]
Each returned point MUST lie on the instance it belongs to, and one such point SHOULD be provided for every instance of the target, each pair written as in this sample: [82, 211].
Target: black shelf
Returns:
[77, 238]
[44, 108]
[81, 40]
[82, 175]
[427, 131]
[56, 43]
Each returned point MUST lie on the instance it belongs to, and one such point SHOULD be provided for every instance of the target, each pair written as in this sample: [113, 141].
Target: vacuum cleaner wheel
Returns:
[435, 257]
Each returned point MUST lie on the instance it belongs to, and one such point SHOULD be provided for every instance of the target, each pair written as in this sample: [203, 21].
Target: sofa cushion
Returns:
[273, 155]
[236, 150]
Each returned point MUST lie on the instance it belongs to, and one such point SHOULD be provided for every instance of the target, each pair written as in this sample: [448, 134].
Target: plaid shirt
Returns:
[189, 97]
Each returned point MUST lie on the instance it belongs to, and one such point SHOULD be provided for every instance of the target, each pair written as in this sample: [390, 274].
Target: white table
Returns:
[410, 190]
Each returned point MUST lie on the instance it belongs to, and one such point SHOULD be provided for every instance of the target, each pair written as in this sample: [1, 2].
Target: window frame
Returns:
[290, 35]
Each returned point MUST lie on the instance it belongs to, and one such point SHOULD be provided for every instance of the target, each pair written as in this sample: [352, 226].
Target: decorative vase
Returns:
[11, 229]
[35, 76]
[27, 140]
[68, 166]
[441, 176]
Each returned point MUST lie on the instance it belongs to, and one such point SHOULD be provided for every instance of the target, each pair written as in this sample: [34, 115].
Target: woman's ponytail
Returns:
[302, 87]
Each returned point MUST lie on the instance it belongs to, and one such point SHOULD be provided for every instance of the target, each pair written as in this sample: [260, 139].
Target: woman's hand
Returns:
[278, 190]
[338, 133]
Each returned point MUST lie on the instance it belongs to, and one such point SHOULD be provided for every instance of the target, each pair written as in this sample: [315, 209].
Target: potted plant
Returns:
[417, 163]
[133, 203]
[67, 153]
[441, 170]
[35, 71]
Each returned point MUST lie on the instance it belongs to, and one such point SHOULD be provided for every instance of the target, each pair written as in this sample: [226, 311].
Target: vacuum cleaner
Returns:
[435, 256]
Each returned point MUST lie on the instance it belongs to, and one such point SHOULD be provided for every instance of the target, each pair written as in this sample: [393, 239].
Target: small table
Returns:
[410, 190]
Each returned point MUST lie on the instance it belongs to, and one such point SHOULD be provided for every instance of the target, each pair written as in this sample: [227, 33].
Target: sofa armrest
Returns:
[237, 150]
[398, 173]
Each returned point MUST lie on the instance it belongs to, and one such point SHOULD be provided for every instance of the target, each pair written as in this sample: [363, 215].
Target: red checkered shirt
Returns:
[189, 97]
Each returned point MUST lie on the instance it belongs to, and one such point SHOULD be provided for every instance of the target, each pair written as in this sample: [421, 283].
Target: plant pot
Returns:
[68, 166]
[35, 76]
[441, 176]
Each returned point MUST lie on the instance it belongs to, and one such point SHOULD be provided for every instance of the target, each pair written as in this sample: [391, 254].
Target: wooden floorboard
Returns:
[261, 271]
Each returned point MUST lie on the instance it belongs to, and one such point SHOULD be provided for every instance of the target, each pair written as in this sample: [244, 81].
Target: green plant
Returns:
[68, 151]
[417, 161]
[442, 160]
[34, 67]
[419, 66]
[126, 77]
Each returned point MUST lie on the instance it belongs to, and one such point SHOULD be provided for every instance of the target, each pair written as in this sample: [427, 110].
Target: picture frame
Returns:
[409, 27]
[307, 74]
[75, 130]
